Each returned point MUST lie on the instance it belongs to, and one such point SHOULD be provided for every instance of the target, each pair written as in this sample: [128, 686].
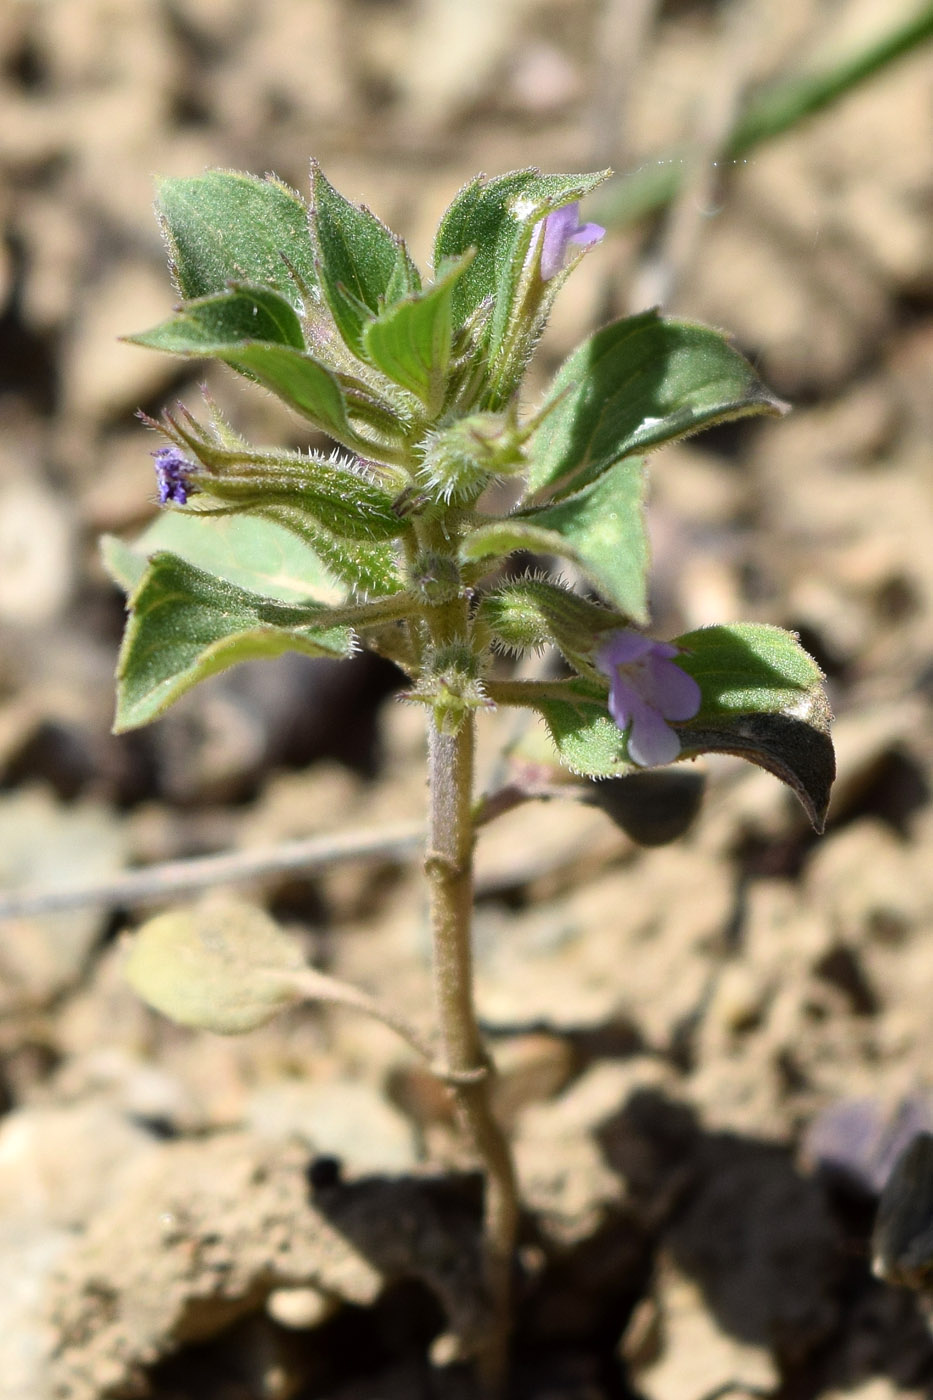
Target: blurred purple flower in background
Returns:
[562, 228]
[173, 475]
[860, 1139]
[646, 690]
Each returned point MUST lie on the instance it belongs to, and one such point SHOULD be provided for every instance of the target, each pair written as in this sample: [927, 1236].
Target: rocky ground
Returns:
[706, 1049]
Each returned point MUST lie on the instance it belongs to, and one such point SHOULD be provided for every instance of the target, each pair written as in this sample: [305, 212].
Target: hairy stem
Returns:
[524, 693]
[449, 869]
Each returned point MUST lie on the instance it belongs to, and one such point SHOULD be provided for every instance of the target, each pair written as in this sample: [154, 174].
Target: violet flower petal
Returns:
[677, 695]
[651, 742]
[561, 228]
[647, 688]
[621, 648]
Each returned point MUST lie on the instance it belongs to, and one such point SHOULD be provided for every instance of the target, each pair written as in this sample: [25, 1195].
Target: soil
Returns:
[709, 1052]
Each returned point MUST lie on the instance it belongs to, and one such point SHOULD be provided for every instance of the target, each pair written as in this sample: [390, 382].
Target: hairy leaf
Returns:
[368, 568]
[763, 698]
[411, 340]
[224, 227]
[359, 259]
[586, 739]
[632, 386]
[186, 625]
[240, 314]
[213, 329]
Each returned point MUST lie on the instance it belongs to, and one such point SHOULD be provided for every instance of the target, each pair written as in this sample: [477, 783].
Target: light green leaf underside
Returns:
[248, 551]
[185, 625]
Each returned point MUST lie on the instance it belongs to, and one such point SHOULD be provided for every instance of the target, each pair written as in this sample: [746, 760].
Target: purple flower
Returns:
[173, 475]
[646, 689]
[861, 1139]
[562, 228]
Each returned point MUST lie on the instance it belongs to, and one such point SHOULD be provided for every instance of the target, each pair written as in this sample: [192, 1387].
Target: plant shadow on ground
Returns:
[778, 1260]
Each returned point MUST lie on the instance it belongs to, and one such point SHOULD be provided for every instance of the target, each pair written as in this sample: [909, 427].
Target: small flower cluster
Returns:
[173, 476]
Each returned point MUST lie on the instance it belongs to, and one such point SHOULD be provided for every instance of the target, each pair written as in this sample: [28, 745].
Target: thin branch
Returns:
[771, 112]
[156, 883]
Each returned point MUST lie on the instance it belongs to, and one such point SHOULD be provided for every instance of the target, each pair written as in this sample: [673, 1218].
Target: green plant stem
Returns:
[523, 693]
[449, 870]
[397, 607]
[769, 113]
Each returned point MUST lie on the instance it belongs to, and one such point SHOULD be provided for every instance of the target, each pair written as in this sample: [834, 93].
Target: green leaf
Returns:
[369, 569]
[359, 259]
[602, 527]
[345, 504]
[587, 741]
[186, 625]
[226, 227]
[763, 699]
[220, 966]
[241, 314]
[212, 328]
[497, 217]
[299, 380]
[258, 555]
[632, 386]
[411, 340]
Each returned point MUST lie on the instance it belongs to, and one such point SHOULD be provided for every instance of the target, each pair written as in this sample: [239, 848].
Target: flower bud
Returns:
[460, 460]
